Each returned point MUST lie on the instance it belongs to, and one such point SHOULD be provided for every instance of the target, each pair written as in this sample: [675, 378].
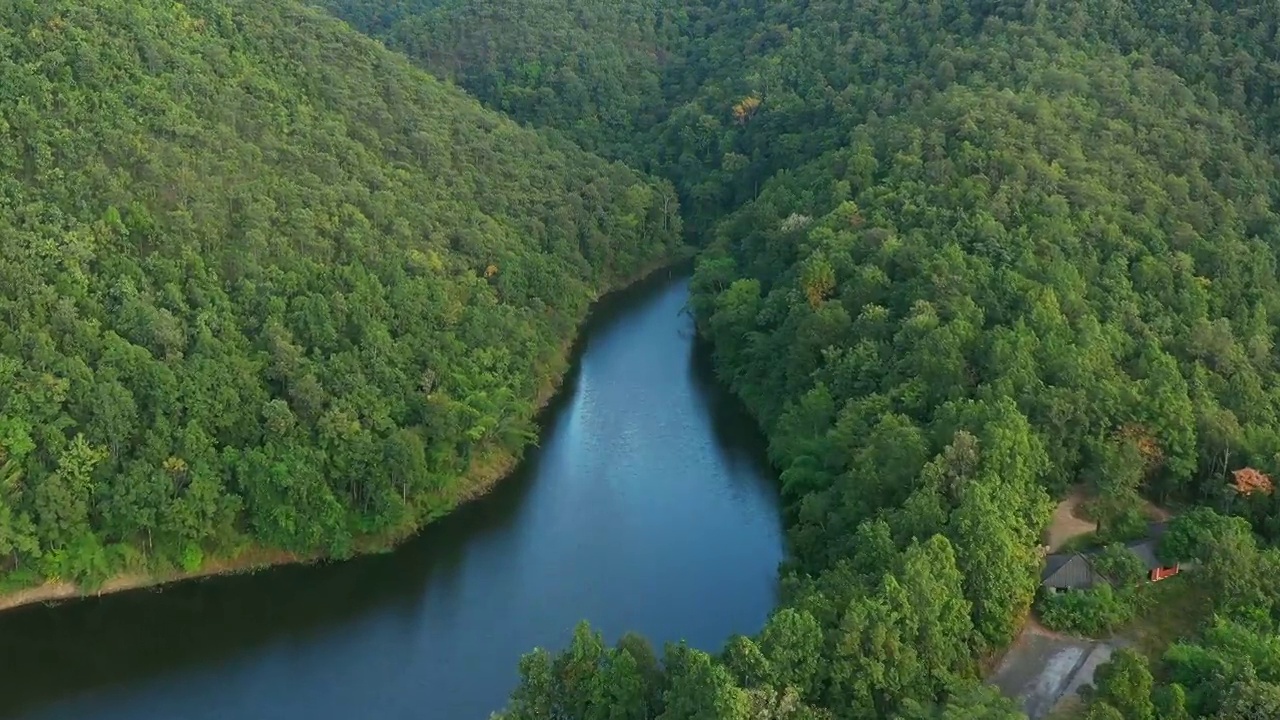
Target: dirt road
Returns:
[1043, 668]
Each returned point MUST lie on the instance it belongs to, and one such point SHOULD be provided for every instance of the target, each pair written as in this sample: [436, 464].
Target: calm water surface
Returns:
[648, 506]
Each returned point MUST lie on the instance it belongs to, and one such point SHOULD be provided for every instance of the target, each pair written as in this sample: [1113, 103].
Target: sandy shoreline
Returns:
[483, 475]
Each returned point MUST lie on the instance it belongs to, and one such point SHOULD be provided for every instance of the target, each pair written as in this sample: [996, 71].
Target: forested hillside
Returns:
[269, 284]
[266, 284]
[664, 85]
[960, 257]
[590, 68]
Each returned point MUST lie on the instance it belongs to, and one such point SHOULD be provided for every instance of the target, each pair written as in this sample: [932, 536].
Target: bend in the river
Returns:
[648, 506]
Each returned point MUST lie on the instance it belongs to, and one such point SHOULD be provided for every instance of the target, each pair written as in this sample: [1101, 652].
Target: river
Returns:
[648, 506]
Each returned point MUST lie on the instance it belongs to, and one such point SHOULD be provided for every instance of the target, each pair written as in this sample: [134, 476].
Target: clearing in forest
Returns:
[1067, 523]
[1042, 668]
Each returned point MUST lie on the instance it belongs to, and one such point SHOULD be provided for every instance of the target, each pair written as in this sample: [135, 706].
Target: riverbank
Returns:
[639, 458]
[485, 472]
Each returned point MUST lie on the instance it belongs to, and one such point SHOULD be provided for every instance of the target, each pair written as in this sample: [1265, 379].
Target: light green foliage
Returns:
[934, 587]
[589, 681]
[1171, 702]
[1193, 535]
[1250, 700]
[792, 642]
[264, 281]
[1228, 653]
[998, 565]
[1124, 682]
[749, 667]
[1234, 569]
[701, 688]
[1103, 711]
[1096, 612]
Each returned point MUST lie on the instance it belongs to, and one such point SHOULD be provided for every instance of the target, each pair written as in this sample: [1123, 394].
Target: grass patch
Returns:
[1082, 543]
[16, 580]
[1167, 610]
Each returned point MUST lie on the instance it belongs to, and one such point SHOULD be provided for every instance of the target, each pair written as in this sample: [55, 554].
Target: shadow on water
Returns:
[729, 417]
[140, 634]
[85, 650]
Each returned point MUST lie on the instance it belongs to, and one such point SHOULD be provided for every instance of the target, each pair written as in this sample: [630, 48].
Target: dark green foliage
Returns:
[959, 256]
[262, 281]
[1119, 566]
[591, 68]
[972, 702]
[962, 256]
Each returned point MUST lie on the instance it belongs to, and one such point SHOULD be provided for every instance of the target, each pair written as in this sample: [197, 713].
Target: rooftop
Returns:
[1074, 570]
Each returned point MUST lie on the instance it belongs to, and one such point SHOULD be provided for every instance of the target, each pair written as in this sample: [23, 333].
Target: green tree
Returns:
[945, 638]
[748, 665]
[62, 500]
[999, 568]
[536, 695]
[1250, 700]
[792, 641]
[578, 673]
[1119, 565]
[1124, 682]
[1171, 702]
[621, 690]
[1118, 473]
[700, 688]
[1192, 536]
[876, 662]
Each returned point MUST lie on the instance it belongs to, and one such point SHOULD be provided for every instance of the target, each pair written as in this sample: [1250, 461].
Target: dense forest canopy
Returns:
[590, 68]
[959, 258]
[268, 284]
[265, 283]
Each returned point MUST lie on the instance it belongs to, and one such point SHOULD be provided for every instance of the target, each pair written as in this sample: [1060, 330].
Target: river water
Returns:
[648, 506]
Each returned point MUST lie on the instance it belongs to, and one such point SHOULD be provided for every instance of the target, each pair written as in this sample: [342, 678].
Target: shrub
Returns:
[1094, 612]
[192, 558]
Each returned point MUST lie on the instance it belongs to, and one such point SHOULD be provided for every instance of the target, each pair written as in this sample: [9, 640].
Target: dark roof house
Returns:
[1069, 572]
[1074, 571]
[1145, 548]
